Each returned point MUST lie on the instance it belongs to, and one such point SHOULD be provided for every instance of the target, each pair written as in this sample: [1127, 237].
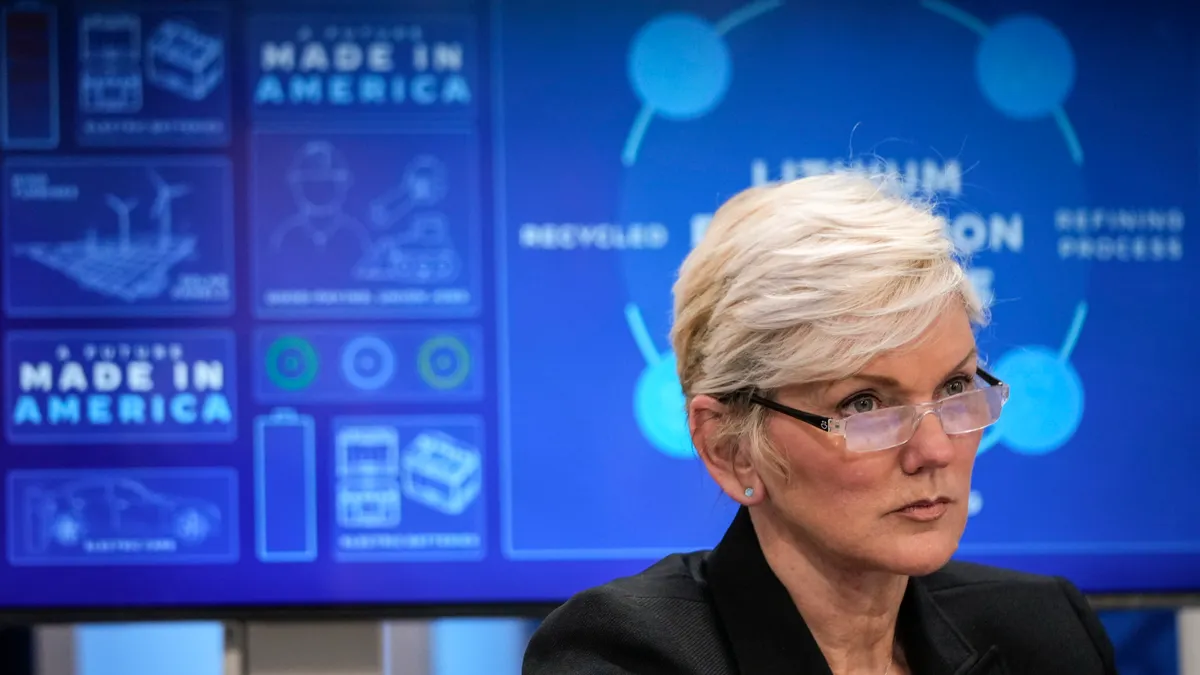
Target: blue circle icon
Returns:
[368, 363]
[680, 66]
[659, 406]
[1025, 67]
[1045, 406]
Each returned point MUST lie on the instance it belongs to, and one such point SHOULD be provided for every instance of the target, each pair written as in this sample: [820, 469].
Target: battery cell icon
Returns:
[110, 63]
[29, 77]
[285, 465]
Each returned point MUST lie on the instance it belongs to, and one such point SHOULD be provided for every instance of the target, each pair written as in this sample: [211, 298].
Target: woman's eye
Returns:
[956, 387]
[861, 404]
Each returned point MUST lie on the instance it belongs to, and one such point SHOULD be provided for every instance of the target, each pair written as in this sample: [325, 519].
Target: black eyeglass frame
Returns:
[829, 424]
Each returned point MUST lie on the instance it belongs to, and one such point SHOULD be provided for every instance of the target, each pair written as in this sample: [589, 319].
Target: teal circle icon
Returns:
[1025, 67]
[291, 363]
[680, 66]
[1045, 406]
[660, 409]
[444, 362]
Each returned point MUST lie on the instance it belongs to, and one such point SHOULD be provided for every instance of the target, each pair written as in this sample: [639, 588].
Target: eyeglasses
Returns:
[887, 428]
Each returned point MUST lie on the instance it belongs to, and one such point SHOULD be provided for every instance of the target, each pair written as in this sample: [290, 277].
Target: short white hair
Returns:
[807, 281]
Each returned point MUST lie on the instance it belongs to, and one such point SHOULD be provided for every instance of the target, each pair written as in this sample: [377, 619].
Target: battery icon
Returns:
[285, 465]
[29, 77]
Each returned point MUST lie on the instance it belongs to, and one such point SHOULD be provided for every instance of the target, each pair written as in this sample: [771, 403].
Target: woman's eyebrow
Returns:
[889, 382]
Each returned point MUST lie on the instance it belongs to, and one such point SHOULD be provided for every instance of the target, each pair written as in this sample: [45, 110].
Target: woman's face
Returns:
[851, 506]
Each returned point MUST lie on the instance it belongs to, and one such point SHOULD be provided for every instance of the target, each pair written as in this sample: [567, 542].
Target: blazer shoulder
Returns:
[659, 621]
[1032, 617]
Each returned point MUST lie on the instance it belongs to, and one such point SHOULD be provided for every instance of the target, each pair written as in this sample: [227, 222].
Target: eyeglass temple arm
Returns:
[750, 396]
[987, 377]
[811, 418]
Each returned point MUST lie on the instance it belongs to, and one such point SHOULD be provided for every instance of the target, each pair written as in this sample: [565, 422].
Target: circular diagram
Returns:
[292, 363]
[444, 362]
[727, 102]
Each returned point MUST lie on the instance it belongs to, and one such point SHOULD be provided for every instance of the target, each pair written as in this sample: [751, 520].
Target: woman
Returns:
[824, 337]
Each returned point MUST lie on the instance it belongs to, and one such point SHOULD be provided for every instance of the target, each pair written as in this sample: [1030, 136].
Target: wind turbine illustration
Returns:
[165, 193]
[122, 209]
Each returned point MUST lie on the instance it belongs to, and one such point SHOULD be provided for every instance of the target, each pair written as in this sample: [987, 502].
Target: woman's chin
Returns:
[920, 555]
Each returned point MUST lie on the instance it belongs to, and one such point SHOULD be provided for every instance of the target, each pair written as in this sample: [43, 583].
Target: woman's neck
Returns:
[851, 614]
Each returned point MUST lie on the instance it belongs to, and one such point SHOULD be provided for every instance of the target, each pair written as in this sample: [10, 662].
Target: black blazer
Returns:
[725, 613]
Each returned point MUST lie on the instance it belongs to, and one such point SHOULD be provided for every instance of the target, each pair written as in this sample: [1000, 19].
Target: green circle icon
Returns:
[291, 363]
[443, 362]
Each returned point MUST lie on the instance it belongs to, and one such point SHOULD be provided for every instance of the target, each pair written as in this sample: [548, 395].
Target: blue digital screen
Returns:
[337, 303]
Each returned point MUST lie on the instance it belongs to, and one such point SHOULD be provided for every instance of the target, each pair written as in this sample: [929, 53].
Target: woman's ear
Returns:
[727, 461]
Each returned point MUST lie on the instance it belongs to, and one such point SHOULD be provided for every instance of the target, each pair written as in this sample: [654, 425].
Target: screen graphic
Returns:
[153, 76]
[351, 69]
[119, 387]
[118, 237]
[711, 100]
[408, 488]
[29, 96]
[122, 517]
[335, 304]
[368, 364]
[285, 467]
[363, 224]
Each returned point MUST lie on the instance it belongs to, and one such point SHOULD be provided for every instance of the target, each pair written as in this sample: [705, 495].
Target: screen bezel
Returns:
[398, 611]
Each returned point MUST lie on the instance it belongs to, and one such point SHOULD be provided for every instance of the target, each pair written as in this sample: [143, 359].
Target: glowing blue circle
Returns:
[659, 406]
[680, 66]
[1025, 67]
[1046, 402]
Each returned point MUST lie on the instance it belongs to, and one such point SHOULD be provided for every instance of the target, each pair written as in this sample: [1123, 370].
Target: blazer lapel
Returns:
[933, 645]
[767, 634]
[991, 663]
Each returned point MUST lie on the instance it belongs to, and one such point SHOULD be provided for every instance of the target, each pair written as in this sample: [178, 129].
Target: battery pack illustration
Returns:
[285, 486]
[368, 487]
[441, 472]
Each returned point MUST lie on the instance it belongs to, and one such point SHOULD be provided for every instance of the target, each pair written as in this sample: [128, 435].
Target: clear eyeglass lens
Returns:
[959, 414]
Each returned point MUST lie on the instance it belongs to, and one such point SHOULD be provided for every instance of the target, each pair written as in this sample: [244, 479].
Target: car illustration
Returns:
[105, 508]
